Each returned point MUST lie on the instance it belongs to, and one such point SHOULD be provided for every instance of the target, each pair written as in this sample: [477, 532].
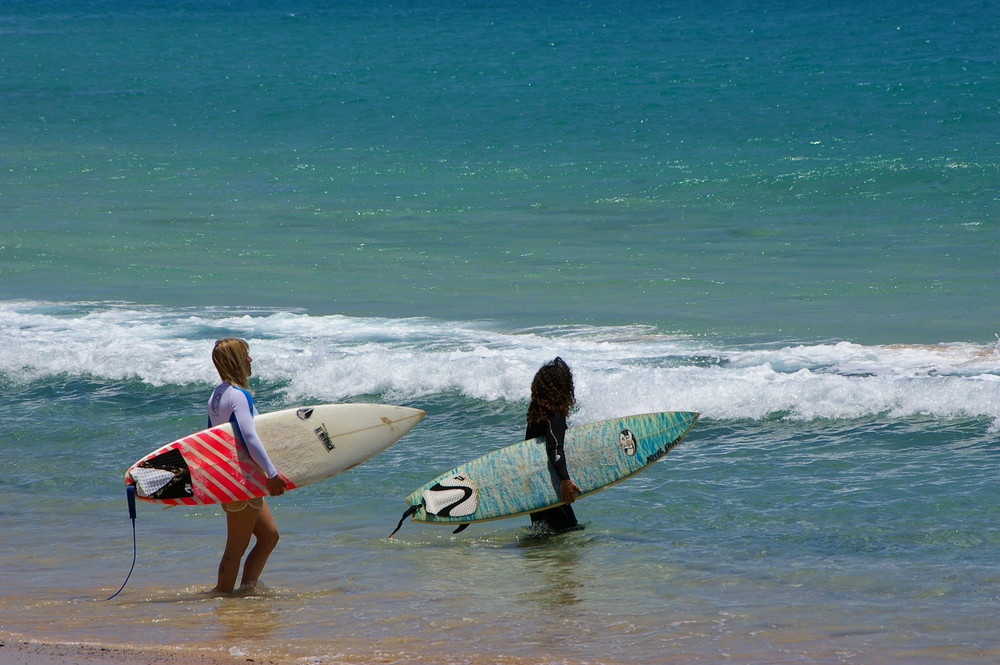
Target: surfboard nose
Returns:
[404, 417]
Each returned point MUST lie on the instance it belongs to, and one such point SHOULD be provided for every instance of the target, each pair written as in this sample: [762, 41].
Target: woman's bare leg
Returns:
[266, 533]
[239, 528]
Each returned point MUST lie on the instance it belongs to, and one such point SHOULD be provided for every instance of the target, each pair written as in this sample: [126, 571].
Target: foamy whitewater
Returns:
[624, 369]
[782, 216]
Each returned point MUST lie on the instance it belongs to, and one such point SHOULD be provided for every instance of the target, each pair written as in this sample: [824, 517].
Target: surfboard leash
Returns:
[412, 509]
[130, 497]
[409, 511]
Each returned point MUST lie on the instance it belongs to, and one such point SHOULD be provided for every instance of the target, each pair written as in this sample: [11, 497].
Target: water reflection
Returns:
[552, 569]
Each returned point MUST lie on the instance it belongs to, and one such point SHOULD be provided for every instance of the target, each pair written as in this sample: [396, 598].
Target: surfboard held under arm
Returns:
[518, 479]
[306, 444]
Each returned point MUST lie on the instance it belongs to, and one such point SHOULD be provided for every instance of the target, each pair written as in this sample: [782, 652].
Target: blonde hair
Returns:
[230, 359]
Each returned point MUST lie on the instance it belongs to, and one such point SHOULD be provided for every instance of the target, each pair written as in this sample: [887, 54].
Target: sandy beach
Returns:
[19, 652]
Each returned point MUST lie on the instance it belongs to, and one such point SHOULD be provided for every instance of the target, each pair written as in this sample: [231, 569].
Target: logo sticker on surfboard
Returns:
[627, 442]
[451, 497]
[324, 437]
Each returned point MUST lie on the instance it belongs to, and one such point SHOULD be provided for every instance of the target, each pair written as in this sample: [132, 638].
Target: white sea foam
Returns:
[619, 370]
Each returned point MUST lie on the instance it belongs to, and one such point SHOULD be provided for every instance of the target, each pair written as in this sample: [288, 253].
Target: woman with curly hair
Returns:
[552, 396]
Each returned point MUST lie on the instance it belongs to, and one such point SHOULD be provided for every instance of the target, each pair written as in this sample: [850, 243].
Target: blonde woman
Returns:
[232, 402]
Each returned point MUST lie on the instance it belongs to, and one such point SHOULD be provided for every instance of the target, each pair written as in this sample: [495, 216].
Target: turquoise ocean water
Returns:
[781, 215]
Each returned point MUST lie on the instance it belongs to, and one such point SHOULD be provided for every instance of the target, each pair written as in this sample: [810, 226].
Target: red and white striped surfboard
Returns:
[305, 444]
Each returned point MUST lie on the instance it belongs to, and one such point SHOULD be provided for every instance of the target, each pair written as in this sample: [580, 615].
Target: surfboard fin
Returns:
[462, 527]
[409, 511]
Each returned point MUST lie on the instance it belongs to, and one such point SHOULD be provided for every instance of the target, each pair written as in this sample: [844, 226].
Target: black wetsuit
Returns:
[559, 518]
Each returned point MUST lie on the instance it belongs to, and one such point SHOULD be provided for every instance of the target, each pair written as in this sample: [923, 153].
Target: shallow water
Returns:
[774, 538]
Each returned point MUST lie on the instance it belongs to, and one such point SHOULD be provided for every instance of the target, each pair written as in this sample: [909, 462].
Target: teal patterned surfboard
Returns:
[518, 479]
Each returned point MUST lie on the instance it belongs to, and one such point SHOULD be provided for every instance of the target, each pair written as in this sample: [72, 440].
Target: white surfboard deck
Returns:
[306, 444]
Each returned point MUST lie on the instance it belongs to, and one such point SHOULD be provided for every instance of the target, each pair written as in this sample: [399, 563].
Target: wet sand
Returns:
[19, 652]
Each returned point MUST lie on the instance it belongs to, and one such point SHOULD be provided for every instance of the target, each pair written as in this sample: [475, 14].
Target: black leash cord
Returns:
[130, 496]
[413, 509]
[409, 511]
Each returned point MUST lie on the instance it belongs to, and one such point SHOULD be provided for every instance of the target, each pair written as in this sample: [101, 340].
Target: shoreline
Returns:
[20, 651]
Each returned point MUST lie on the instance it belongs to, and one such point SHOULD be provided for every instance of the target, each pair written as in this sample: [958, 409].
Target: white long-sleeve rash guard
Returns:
[233, 404]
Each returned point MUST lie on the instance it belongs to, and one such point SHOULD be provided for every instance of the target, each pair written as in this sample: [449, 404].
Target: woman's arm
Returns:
[555, 437]
[243, 413]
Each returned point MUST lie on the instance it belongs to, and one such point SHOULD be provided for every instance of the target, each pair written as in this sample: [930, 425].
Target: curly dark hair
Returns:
[551, 390]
